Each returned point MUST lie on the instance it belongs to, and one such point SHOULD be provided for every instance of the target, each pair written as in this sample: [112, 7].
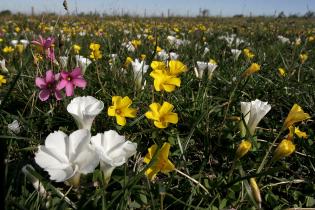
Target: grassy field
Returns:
[190, 144]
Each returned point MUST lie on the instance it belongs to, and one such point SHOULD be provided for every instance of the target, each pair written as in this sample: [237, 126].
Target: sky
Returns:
[157, 7]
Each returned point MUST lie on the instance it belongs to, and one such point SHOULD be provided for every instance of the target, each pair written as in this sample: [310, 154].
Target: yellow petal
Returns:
[168, 88]
[295, 115]
[159, 124]
[120, 120]
[116, 100]
[111, 111]
[166, 108]
[300, 133]
[169, 166]
[151, 151]
[177, 67]
[129, 112]
[171, 118]
[125, 102]
[158, 65]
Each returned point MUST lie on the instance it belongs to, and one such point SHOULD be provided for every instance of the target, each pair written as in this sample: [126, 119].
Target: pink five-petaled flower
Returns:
[47, 84]
[46, 45]
[71, 80]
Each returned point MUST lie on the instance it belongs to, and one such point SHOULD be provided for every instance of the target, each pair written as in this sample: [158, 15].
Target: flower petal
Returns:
[44, 94]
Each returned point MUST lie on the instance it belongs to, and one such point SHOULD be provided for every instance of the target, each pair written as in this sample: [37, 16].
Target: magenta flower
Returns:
[48, 85]
[46, 46]
[71, 80]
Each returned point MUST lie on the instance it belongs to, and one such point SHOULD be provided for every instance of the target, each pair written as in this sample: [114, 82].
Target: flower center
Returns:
[69, 78]
[118, 111]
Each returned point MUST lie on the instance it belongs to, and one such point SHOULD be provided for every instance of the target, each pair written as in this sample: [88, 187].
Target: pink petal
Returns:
[50, 77]
[76, 73]
[69, 89]
[79, 83]
[64, 74]
[36, 42]
[62, 84]
[58, 95]
[44, 94]
[50, 54]
[40, 82]
[57, 76]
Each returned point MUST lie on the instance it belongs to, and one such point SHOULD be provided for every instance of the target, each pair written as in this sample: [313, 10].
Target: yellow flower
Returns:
[284, 149]
[164, 81]
[282, 71]
[136, 43]
[76, 48]
[151, 38]
[255, 190]
[295, 115]
[161, 164]
[128, 61]
[17, 29]
[311, 38]
[162, 115]
[303, 57]
[248, 53]
[120, 109]
[2, 80]
[158, 49]
[158, 65]
[212, 61]
[143, 56]
[300, 133]
[176, 67]
[95, 51]
[254, 67]
[243, 148]
[20, 48]
[8, 49]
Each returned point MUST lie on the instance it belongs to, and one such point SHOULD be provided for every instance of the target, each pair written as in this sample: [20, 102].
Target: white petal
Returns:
[78, 142]
[58, 141]
[87, 160]
[60, 175]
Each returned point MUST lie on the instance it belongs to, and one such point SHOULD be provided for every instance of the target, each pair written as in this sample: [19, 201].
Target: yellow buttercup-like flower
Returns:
[303, 57]
[161, 164]
[95, 51]
[120, 109]
[2, 80]
[162, 115]
[254, 67]
[248, 53]
[282, 71]
[295, 115]
[176, 67]
[164, 81]
[243, 149]
[136, 43]
[8, 49]
[284, 149]
[76, 48]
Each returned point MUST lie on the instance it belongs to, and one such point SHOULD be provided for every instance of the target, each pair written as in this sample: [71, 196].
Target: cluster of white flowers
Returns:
[65, 157]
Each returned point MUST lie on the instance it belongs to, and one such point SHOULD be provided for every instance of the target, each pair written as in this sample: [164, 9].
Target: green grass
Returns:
[205, 139]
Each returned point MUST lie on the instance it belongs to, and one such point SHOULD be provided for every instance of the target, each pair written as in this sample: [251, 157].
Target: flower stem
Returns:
[193, 180]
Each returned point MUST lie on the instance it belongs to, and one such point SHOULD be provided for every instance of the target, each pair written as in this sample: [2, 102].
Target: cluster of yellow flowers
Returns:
[95, 51]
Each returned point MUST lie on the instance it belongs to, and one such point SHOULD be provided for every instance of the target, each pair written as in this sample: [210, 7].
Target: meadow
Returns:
[157, 113]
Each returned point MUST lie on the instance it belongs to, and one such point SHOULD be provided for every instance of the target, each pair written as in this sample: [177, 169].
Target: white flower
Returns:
[201, 67]
[66, 157]
[174, 56]
[283, 39]
[14, 42]
[172, 39]
[236, 53]
[129, 46]
[139, 68]
[163, 55]
[253, 112]
[14, 127]
[82, 62]
[113, 151]
[84, 110]
[63, 61]
[24, 42]
[27, 170]
[3, 67]
[206, 50]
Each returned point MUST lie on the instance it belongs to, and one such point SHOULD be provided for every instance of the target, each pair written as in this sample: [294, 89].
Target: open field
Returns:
[185, 138]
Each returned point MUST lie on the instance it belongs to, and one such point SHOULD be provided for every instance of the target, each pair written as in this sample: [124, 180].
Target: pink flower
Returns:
[71, 80]
[47, 85]
[46, 46]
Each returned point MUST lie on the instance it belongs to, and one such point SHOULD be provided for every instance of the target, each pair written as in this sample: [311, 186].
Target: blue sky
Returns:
[157, 7]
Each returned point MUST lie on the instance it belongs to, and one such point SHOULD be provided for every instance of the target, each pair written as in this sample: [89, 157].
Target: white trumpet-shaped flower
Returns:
[113, 151]
[236, 53]
[3, 67]
[253, 112]
[202, 66]
[139, 68]
[82, 62]
[84, 110]
[66, 157]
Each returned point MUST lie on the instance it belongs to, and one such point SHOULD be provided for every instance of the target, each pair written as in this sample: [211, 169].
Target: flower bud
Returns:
[284, 149]
[255, 191]
[243, 148]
